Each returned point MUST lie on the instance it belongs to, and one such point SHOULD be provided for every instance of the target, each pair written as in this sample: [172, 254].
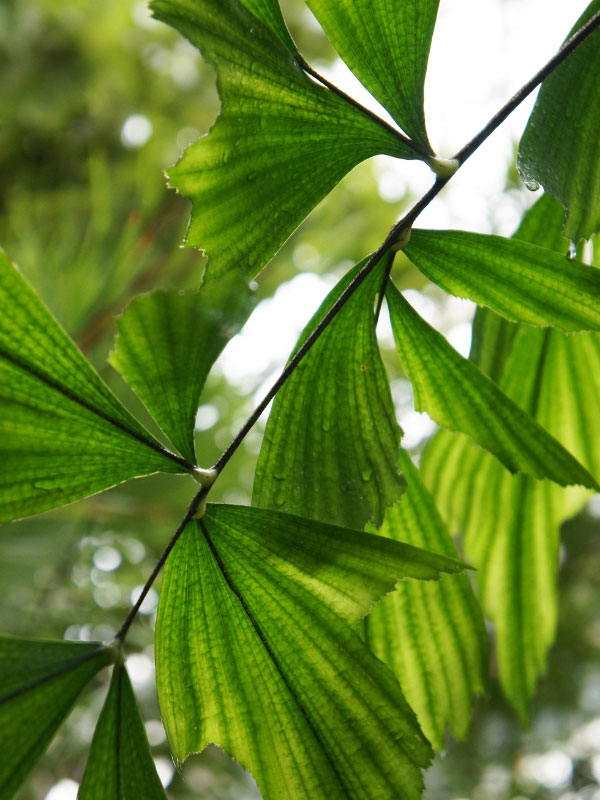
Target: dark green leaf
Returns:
[386, 44]
[520, 281]
[39, 682]
[120, 765]
[167, 343]
[280, 144]
[432, 635]
[460, 397]
[257, 650]
[559, 148]
[511, 524]
[63, 434]
[270, 13]
[317, 460]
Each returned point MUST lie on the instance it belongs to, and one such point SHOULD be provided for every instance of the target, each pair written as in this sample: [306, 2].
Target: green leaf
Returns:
[386, 44]
[511, 524]
[559, 148]
[280, 144]
[39, 682]
[460, 397]
[270, 13]
[120, 765]
[167, 343]
[520, 281]
[257, 650]
[63, 434]
[316, 459]
[432, 635]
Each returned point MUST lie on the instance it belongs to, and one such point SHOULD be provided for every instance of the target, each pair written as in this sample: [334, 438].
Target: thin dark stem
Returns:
[382, 123]
[189, 515]
[394, 236]
[565, 51]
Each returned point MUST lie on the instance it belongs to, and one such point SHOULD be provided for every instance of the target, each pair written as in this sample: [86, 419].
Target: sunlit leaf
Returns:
[511, 524]
[167, 343]
[257, 650]
[462, 398]
[280, 144]
[39, 682]
[317, 460]
[523, 282]
[386, 44]
[559, 148]
[120, 764]
[63, 434]
[270, 13]
[432, 635]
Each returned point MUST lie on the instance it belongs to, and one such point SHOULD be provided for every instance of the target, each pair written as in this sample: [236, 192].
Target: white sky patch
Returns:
[273, 329]
[65, 789]
[136, 131]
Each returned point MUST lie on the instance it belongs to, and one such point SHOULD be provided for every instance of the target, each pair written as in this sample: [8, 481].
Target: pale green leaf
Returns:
[257, 650]
[63, 434]
[460, 397]
[559, 148]
[120, 764]
[39, 682]
[280, 144]
[523, 282]
[167, 343]
[330, 449]
[386, 44]
[432, 635]
[270, 13]
[511, 524]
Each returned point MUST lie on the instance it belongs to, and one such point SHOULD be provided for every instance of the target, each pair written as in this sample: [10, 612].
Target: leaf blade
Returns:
[277, 636]
[523, 282]
[314, 461]
[64, 435]
[280, 143]
[386, 45]
[167, 343]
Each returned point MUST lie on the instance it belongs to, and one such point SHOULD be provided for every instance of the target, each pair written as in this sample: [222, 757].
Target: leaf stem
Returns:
[395, 234]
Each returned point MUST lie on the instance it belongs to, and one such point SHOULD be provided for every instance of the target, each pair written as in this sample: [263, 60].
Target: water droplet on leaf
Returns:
[572, 251]
[532, 185]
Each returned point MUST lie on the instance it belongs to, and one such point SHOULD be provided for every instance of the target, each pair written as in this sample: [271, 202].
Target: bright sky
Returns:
[483, 51]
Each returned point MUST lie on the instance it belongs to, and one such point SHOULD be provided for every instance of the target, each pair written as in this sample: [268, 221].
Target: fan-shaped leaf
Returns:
[559, 148]
[167, 343]
[521, 281]
[432, 635]
[63, 434]
[39, 682]
[460, 397]
[315, 459]
[386, 44]
[511, 523]
[270, 13]
[280, 144]
[257, 650]
[120, 765]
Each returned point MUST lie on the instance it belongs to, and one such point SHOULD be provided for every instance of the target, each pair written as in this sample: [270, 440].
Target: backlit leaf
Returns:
[279, 145]
[432, 635]
[39, 682]
[167, 343]
[257, 650]
[520, 281]
[120, 765]
[511, 524]
[460, 397]
[63, 434]
[315, 459]
[559, 148]
[386, 44]
[270, 13]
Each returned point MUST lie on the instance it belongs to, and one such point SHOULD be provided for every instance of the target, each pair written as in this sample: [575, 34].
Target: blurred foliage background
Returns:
[96, 101]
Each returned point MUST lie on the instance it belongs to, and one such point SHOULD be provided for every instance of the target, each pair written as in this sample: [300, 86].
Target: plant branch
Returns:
[382, 123]
[390, 243]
